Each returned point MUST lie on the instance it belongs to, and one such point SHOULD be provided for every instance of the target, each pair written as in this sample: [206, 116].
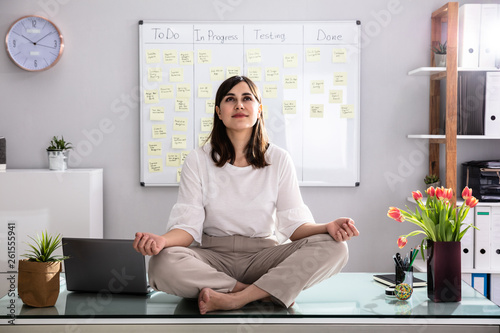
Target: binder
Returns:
[492, 104]
[467, 243]
[470, 103]
[488, 36]
[495, 238]
[469, 25]
[480, 283]
[482, 237]
[495, 288]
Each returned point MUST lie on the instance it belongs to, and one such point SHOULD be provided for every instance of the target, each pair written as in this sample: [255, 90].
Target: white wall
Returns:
[96, 81]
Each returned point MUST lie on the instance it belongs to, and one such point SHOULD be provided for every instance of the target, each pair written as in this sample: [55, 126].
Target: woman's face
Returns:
[239, 109]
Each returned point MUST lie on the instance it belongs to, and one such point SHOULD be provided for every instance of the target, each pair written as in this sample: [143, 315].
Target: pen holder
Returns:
[404, 276]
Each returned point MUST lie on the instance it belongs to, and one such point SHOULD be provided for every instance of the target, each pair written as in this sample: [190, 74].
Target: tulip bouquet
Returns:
[439, 220]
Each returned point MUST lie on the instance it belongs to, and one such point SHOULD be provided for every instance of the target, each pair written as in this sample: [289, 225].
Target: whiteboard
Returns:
[308, 74]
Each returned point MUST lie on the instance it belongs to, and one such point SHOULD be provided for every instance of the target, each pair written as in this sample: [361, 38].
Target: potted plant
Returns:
[432, 180]
[440, 54]
[58, 152]
[38, 280]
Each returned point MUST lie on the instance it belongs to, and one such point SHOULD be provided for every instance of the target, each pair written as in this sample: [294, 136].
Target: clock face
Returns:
[34, 43]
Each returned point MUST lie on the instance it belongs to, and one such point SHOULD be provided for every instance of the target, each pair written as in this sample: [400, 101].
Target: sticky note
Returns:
[179, 172]
[335, 96]
[217, 74]
[176, 74]
[180, 124]
[347, 111]
[179, 142]
[254, 55]
[205, 90]
[156, 113]
[170, 57]
[159, 131]
[255, 73]
[182, 104]
[317, 86]
[265, 111]
[291, 82]
[210, 106]
[151, 96]
[184, 154]
[154, 74]
[155, 165]
[186, 57]
[204, 56]
[202, 138]
[290, 60]
[154, 148]
[233, 71]
[206, 124]
[272, 74]
[316, 110]
[184, 90]
[166, 91]
[270, 91]
[173, 159]
[289, 107]
[340, 78]
[313, 54]
[339, 55]
[153, 56]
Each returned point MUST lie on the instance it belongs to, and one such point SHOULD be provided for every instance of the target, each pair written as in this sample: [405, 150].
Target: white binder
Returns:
[469, 25]
[492, 104]
[482, 237]
[495, 238]
[467, 243]
[488, 39]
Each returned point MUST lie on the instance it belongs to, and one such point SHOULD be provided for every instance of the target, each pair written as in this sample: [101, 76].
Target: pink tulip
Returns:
[395, 213]
[402, 242]
[440, 193]
[431, 191]
[466, 193]
[448, 193]
[417, 195]
[471, 202]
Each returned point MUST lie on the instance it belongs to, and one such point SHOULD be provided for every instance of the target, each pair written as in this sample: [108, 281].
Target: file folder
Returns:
[488, 35]
[495, 238]
[482, 237]
[495, 288]
[492, 105]
[469, 27]
[480, 283]
[467, 243]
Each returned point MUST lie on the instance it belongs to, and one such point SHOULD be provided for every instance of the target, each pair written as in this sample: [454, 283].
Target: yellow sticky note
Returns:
[317, 110]
[270, 91]
[205, 91]
[154, 74]
[151, 96]
[290, 60]
[317, 86]
[179, 142]
[254, 55]
[233, 71]
[180, 124]
[206, 124]
[272, 74]
[186, 57]
[182, 104]
[155, 164]
[210, 106]
[154, 148]
[291, 82]
[289, 107]
[339, 55]
[340, 78]
[347, 111]
[153, 56]
[335, 96]
[166, 91]
[184, 90]
[179, 172]
[170, 57]
[217, 73]
[265, 111]
[313, 54]
[202, 138]
[176, 74]
[173, 159]
[159, 131]
[184, 154]
[255, 73]
[204, 56]
[156, 113]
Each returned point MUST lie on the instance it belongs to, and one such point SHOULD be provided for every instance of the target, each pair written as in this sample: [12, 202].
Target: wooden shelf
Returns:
[420, 266]
[459, 137]
[428, 71]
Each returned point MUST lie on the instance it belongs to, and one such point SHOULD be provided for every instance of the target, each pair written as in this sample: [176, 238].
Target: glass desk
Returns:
[350, 300]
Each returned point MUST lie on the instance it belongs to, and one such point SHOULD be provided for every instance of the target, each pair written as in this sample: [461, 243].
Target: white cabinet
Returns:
[68, 202]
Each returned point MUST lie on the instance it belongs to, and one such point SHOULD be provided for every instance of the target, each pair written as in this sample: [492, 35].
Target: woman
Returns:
[239, 200]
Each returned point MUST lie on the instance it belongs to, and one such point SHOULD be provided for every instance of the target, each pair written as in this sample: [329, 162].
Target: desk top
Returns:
[344, 297]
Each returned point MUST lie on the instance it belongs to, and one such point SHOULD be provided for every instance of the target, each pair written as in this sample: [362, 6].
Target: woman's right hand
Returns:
[149, 244]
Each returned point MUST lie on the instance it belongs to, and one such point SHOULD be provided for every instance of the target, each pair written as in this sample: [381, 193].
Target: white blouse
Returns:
[239, 200]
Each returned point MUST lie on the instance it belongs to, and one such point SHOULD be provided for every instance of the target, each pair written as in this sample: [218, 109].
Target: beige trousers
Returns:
[281, 270]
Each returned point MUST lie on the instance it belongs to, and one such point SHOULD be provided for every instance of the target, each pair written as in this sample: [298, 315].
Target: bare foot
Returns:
[210, 300]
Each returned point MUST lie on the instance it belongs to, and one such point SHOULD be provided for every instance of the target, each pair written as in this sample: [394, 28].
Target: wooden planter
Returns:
[38, 282]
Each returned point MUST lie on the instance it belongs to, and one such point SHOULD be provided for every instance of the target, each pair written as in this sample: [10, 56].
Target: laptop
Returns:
[104, 265]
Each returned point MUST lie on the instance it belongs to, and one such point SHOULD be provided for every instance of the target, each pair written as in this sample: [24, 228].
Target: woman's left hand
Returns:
[342, 229]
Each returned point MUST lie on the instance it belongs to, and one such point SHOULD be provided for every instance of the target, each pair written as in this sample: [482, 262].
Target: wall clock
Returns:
[34, 43]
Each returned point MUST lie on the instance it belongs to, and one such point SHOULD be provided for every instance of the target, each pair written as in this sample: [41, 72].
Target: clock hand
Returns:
[50, 47]
[28, 39]
[50, 33]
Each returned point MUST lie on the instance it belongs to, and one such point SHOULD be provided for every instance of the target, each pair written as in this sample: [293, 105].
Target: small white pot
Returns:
[440, 60]
[58, 159]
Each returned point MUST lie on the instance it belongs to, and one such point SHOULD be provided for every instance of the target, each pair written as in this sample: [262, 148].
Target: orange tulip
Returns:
[440, 193]
[471, 202]
[448, 193]
[431, 191]
[395, 213]
[466, 193]
[417, 195]
[402, 242]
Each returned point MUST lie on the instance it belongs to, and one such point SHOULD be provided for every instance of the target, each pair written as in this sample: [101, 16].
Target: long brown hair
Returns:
[222, 148]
